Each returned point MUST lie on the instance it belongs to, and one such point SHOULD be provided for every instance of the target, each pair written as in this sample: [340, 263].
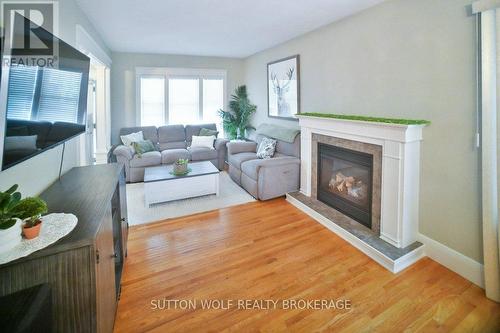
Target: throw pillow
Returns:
[203, 142]
[143, 146]
[208, 132]
[20, 142]
[266, 148]
[129, 139]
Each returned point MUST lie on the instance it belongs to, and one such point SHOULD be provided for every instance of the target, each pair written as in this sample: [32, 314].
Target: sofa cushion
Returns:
[171, 133]
[202, 154]
[251, 168]
[208, 132]
[144, 146]
[169, 156]
[202, 141]
[266, 148]
[171, 137]
[150, 158]
[149, 132]
[195, 130]
[236, 159]
[172, 145]
[286, 148]
[129, 139]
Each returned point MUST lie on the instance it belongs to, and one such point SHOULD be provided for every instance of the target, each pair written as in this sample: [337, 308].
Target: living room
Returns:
[251, 166]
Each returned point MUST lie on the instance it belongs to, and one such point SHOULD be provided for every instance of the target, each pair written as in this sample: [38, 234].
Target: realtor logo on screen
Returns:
[28, 30]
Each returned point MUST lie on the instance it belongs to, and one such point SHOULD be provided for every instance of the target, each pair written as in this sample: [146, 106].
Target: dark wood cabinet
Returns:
[84, 268]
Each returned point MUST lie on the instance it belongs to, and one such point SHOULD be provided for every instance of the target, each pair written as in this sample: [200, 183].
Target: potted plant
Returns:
[181, 166]
[237, 120]
[30, 210]
[10, 223]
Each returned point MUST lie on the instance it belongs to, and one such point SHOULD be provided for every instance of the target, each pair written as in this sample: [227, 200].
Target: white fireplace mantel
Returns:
[400, 169]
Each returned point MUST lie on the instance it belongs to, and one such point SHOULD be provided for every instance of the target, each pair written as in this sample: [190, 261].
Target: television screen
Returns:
[45, 103]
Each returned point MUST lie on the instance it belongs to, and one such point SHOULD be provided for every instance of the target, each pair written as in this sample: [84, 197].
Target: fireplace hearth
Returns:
[345, 181]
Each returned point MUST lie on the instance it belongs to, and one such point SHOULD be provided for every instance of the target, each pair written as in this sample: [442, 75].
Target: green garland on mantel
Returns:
[365, 118]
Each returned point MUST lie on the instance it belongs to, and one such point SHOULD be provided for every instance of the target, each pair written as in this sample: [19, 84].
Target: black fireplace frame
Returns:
[345, 206]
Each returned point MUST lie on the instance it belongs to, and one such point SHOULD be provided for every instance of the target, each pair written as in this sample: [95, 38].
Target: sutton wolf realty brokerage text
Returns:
[251, 304]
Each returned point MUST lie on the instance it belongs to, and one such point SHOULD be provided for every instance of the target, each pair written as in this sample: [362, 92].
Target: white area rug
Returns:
[230, 194]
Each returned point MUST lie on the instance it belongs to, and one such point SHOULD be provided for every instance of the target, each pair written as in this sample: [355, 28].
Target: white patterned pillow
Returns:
[266, 148]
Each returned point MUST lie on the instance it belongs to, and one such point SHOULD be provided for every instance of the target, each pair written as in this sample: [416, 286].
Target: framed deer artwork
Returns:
[283, 88]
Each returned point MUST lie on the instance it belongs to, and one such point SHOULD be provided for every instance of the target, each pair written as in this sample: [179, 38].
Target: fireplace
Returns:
[342, 166]
[345, 181]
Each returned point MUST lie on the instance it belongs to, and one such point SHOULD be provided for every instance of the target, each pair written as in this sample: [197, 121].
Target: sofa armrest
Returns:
[220, 143]
[124, 152]
[241, 147]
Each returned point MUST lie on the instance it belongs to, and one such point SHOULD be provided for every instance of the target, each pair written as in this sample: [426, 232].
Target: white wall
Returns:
[123, 104]
[407, 59]
[37, 173]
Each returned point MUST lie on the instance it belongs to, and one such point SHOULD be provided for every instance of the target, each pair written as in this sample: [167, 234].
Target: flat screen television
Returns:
[42, 106]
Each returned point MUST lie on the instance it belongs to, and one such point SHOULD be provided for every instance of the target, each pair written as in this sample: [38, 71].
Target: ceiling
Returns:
[228, 28]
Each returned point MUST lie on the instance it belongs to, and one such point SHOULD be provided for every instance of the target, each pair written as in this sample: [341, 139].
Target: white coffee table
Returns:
[160, 185]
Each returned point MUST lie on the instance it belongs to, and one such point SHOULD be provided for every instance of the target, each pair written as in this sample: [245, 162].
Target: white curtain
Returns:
[489, 17]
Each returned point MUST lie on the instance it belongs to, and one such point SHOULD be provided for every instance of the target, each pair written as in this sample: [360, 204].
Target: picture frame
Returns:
[283, 88]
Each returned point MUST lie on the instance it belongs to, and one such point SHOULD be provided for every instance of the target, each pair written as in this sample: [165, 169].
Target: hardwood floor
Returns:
[272, 251]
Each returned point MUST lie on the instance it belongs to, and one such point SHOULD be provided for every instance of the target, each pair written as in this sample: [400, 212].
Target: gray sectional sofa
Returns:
[173, 142]
[265, 178]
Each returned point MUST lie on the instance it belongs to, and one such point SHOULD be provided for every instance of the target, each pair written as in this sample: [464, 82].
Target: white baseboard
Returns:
[453, 260]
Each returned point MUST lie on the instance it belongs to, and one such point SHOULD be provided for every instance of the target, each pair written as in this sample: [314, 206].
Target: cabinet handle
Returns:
[97, 256]
[123, 219]
[115, 255]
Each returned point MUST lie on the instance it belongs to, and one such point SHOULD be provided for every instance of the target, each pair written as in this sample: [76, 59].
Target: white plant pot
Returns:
[11, 237]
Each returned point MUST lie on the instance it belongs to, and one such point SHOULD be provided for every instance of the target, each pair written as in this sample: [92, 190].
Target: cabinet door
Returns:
[105, 276]
[123, 212]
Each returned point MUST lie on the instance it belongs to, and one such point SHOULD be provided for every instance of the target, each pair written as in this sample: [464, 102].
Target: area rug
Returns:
[230, 194]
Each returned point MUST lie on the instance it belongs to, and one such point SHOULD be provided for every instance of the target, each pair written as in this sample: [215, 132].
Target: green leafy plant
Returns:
[8, 207]
[31, 209]
[182, 161]
[237, 120]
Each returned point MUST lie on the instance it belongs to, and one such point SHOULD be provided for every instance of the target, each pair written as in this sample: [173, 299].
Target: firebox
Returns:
[345, 181]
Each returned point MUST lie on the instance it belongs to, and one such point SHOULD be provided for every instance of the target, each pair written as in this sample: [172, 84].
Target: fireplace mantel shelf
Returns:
[419, 123]
[400, 165]
[395, 132]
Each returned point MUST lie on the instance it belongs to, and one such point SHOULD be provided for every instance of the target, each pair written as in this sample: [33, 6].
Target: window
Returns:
[59, 95]
[43, 94]
[213, 99]
[152, 101]
[183, 101]
[180, 96]
[22, 83]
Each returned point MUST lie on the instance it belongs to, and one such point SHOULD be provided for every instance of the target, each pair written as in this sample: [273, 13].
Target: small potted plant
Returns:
[10, 223]
[181, 166]
[30, 210]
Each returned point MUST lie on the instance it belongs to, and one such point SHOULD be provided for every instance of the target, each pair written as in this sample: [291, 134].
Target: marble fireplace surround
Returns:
[374, 150]
[398, 146]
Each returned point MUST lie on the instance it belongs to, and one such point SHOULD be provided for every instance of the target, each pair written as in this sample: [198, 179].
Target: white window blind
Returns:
[183, 101]
[180, 96]
[213, 101]
[152, 101]
[22, 83]
[59, 95]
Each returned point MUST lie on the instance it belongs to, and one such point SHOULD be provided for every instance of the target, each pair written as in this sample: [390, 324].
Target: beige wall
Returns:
[123, 101]
[37, 173]
[408, 59]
